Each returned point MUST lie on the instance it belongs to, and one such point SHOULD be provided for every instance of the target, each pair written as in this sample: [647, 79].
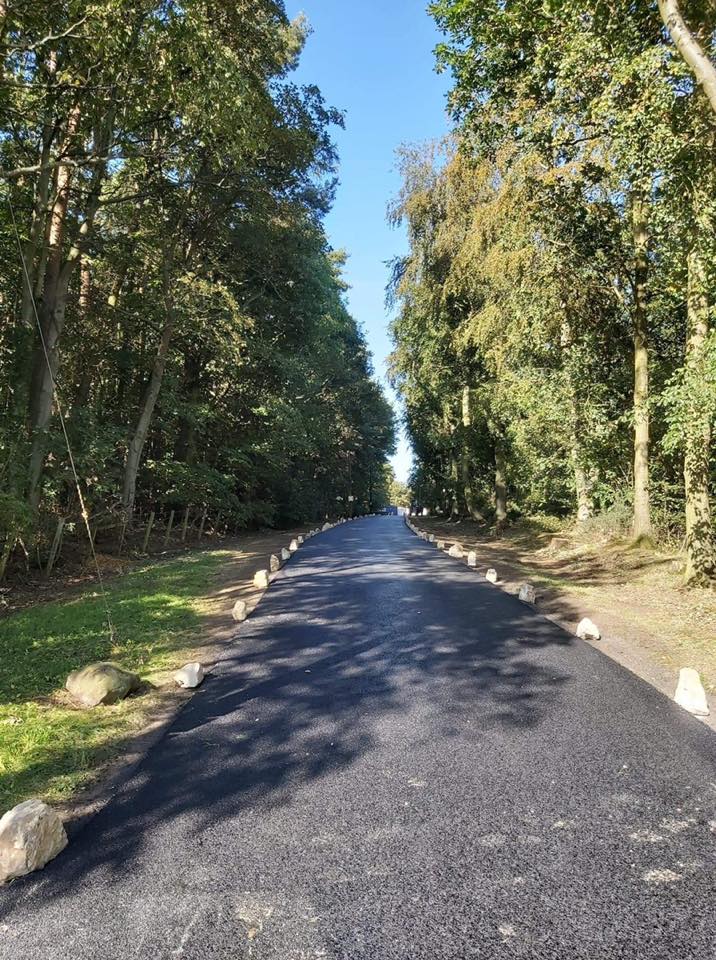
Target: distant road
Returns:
[396, 760]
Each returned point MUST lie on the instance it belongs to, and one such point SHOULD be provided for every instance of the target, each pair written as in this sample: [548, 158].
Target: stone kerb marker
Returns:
[261, 579]
[528, 594]
[190, 676]
[240, 611]
[31, 834]
[588, 630]
[690, 693]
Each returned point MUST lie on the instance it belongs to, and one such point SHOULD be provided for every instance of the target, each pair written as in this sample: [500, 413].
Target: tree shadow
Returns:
[355, 630]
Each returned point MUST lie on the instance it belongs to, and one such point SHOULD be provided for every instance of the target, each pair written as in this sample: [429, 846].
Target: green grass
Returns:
[47, 747]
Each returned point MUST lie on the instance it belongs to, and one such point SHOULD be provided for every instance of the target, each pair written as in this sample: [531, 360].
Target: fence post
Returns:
[169, 529]
[201, 526]
[150, 524]
[185, 524]
[55, 548]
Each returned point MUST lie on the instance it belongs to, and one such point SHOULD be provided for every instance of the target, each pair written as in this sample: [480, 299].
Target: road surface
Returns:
[396, 760]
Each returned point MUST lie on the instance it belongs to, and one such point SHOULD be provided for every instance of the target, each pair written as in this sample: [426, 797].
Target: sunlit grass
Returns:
[47, 747]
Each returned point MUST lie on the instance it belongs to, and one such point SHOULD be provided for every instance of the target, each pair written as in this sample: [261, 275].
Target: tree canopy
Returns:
[172, 312]
[553, 343]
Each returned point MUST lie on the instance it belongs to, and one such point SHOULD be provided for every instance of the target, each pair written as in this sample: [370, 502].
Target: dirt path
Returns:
[650, 623]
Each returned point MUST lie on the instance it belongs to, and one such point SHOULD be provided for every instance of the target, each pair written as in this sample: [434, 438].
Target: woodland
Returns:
[175, 345]
[554, 337]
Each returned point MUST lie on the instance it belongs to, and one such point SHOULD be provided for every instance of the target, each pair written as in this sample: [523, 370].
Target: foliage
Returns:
[565, 230]
[168, 181]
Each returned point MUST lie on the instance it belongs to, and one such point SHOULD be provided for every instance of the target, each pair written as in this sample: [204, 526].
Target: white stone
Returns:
[326, 526]
[274, 563]
[190, 676]
[472, 559]
[690, 693]
[455, 551]
[240, 611]
[293, 546]
[31, 834]
[441, 544]
[285, 554]
[528, 593]
[491, 575]
[261, 579]
[588, 630]
[300, 541]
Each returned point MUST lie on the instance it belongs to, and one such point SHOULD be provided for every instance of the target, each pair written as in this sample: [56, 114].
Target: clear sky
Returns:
[374, 60]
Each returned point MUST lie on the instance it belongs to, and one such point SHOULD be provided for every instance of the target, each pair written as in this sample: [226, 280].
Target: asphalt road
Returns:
[396, 760]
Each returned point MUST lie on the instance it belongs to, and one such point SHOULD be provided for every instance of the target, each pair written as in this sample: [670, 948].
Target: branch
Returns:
[689, 48]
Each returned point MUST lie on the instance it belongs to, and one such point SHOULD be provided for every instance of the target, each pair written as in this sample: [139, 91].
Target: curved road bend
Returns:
[396, 760]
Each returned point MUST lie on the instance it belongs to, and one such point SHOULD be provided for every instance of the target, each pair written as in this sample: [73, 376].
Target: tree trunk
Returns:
[51, 321]
[689, 48]
[700, 559]
[582, 473]
[151, 394]
[500, 484]
[641, 527]
[465, 461]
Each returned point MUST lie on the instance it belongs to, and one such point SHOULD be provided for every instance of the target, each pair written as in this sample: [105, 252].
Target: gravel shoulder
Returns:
[651, 624]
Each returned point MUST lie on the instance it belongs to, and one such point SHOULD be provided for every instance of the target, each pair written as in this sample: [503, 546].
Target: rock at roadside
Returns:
[455, 551]
[431, 538]
[491, 575]
[472, 559]
[441, 544]
[285, 554]
[293, 546]
[690, 693]
[300, 541]
[190, 676]
[240, 611]
[101, 683]
[274, 563]
[588, 630]
[261, 579]
[326, 526]
[31, 834]
[528, 593]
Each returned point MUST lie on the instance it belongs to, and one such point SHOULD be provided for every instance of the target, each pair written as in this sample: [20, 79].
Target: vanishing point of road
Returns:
[396, 759]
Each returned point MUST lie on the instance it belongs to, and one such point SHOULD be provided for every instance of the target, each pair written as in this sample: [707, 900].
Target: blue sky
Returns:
[373, 60]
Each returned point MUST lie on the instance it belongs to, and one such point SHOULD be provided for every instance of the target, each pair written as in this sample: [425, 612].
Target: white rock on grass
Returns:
[491, 575]
[690, 693]
[431, 538]
[528, 593]
[300, 541]
[240, 611]
[472, 559]
[326, 526]
[285, 554]
[101, 683]
[261, 579]
[455, 551]
[31, 834]
[274, 563]
[441, 544]
[293, 546]
[190, 676]
[588, 630]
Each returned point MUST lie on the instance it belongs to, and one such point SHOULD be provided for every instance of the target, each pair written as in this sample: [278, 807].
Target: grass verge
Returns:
[48, 747]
